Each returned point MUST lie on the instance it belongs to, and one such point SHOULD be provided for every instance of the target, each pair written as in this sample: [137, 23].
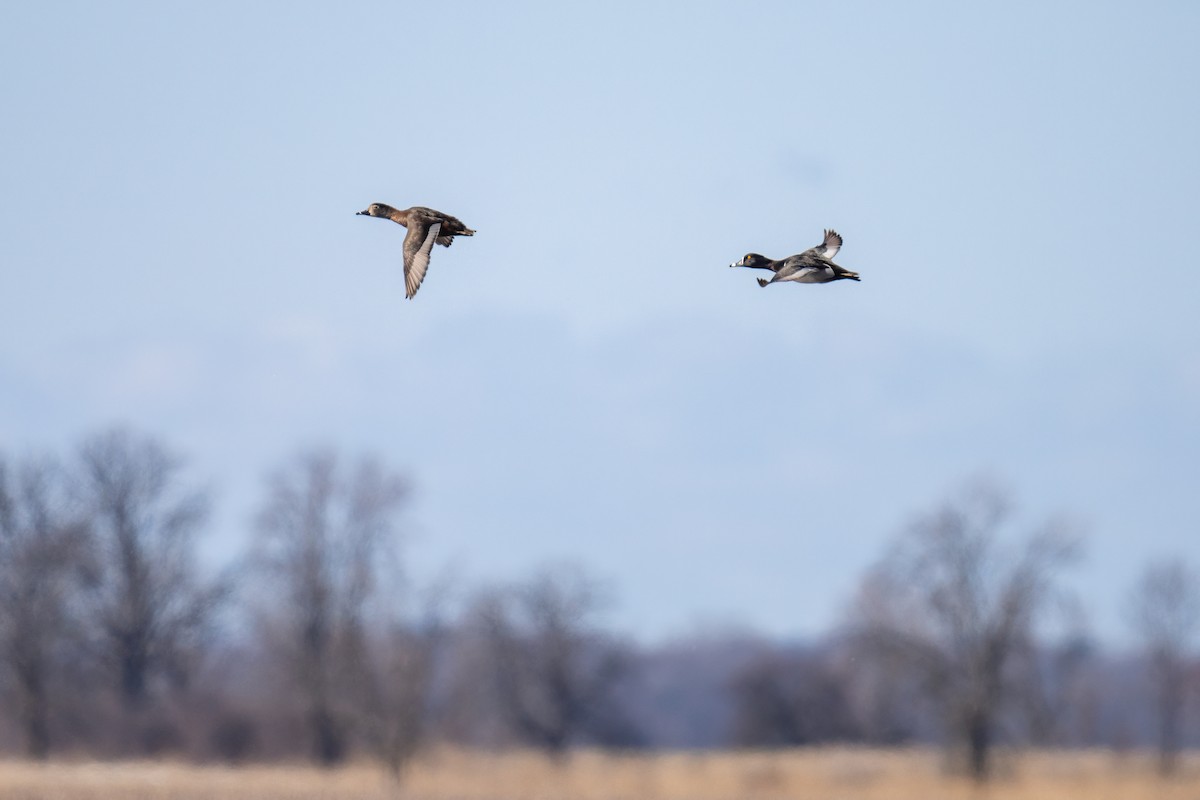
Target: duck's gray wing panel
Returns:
[829, 248]
[795, 265]
[417, 246]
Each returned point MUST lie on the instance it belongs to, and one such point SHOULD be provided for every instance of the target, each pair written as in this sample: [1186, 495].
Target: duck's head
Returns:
[377, 210]
[752, 260]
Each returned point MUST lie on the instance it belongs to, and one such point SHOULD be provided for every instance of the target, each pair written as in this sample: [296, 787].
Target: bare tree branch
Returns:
[323, 534]
[553, 672]
[1164, 608]
[151, 608]
[949, 604]
[44, 564]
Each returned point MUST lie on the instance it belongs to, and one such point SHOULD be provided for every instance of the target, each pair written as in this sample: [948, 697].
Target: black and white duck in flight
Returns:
[814, 265]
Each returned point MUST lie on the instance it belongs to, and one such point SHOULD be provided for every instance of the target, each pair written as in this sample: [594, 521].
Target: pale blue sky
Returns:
[585, 379]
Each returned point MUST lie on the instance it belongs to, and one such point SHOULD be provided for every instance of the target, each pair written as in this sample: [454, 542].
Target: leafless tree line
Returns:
[113, 640]
[947, 638]
[100, 587]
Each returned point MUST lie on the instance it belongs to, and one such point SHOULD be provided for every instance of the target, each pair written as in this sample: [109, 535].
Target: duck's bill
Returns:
[365, 211]
[736, 264]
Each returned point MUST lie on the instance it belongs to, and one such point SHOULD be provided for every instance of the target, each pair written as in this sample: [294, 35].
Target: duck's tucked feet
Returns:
[762, 281]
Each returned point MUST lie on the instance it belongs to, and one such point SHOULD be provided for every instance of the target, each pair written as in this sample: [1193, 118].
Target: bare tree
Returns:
[1060, 705]
[153, 610]
[790, 697]
[554, 673]
[1165, 611]
[951, 604]
[393, 703]
[44, 562]
[323, 535]
[395, 699]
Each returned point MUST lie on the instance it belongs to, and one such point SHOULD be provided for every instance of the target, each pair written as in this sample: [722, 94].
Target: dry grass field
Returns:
[819, 774]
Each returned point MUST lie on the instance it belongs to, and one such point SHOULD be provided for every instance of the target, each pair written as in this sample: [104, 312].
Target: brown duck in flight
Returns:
[814, 265]
[425, 228]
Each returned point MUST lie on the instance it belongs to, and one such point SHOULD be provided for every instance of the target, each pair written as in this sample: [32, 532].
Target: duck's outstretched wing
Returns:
[831, 245]
[418, 242]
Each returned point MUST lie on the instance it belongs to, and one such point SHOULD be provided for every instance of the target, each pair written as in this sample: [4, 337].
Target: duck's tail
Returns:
[447, 239]
[762, 281]
[450, 230]
[849, 275]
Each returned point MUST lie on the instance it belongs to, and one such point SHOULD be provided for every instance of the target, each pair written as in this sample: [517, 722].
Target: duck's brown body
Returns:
[425, 228]
[451, 226]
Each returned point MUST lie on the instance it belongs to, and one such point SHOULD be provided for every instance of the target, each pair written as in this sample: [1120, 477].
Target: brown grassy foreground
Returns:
[819, 774]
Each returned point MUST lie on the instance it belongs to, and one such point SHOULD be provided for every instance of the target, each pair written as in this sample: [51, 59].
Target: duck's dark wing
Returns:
[418, 242]
[825, 250]
[807, 262]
